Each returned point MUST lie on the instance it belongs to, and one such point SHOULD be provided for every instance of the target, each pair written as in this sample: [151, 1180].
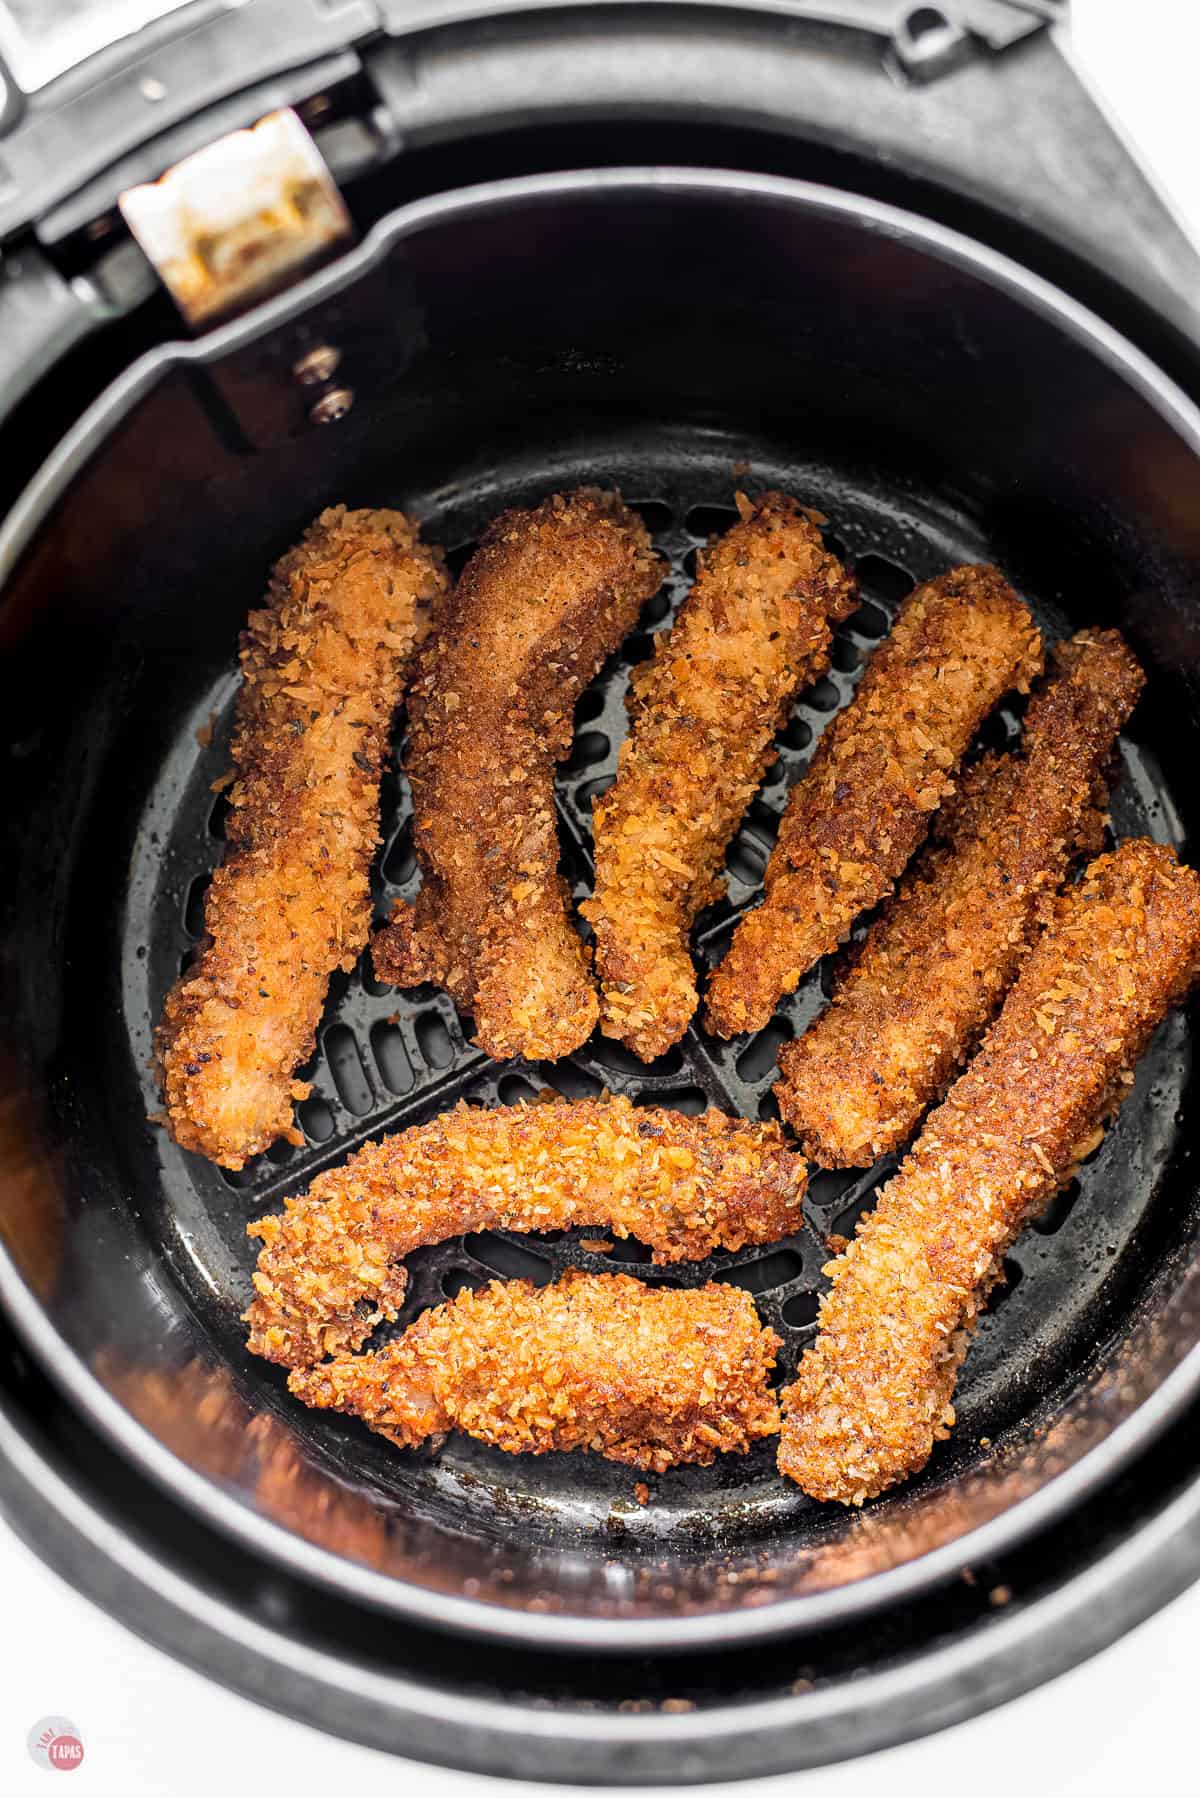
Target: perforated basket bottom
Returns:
[387, 1059]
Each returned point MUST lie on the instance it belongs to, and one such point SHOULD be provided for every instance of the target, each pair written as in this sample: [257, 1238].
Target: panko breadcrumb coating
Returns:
[755, 628]
[873, 1394]
[546, 597]
[941, 956]
[642, 1375]
[330, 1266]
[879, 772]
[323, 666]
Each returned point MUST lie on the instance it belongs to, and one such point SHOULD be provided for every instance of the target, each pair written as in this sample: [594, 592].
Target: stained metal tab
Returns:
[240, 218]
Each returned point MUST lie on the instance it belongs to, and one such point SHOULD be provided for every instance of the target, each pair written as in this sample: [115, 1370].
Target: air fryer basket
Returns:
[681, 335]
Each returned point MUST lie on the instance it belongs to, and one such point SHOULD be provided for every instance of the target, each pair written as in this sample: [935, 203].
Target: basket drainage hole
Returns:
[879, 579]
[1058, 1210]
[592, 790]
[623, 1061]
[758, 1059]
[763, 821]
[459, 1280]
[801, 1309]
[240, 1178]
[193, 907]
[590, 706]
[655, 514]
[346, 1068]
[746, 858]
[591, 746]
[507, 1258]
[514, 1089]
[391, 1058]
[1004, 1289]
[847, 1221]
[690, 1100]
[573, 1082]
[797, 734]
[400, 864]
[374, 988]
[766, 1273]
[825, 1186]
[316, 1118]
[823, 696]
[630, 1251]
[433, 1040]
[846, 654]
[710, 521]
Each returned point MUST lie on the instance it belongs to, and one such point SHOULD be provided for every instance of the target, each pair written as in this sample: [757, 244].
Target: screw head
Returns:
[331, 406]
[317, 365]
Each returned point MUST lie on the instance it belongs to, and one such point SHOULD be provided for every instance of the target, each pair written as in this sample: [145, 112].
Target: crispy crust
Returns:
[329, 1269]
[323, 664]
[646, 1376]
[545, 598]
[939, 959]
[873, 1394]
[755, 628]
[880, 770]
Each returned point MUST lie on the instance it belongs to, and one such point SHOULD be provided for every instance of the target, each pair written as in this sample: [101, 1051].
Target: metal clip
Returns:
[239, 219]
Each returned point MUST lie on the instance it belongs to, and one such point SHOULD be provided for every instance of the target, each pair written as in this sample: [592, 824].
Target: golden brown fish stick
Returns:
[941, 956]
[330, 1267]
[545, 598]
[873, 1394]
[649, 1377]
[755, 628]
[880, 770]
[323, 667]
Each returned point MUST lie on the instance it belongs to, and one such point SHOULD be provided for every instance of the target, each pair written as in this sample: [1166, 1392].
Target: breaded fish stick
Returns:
[545, 598]
[323, 668]
[755, 628]
[941, 956]
[873, 1394]
[638, 1374]
[881, 769]
[330, 1270]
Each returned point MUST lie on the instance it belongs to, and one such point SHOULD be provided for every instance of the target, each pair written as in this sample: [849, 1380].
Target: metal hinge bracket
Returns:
[239, 219]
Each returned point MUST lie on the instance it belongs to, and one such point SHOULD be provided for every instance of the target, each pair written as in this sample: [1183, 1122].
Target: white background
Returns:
[1126, 1719]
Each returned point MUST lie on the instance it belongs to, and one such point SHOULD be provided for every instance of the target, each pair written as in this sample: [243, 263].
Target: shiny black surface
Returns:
[935, 404]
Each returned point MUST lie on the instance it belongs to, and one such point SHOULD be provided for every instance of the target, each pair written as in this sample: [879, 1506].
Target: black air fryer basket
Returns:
[678, 249]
